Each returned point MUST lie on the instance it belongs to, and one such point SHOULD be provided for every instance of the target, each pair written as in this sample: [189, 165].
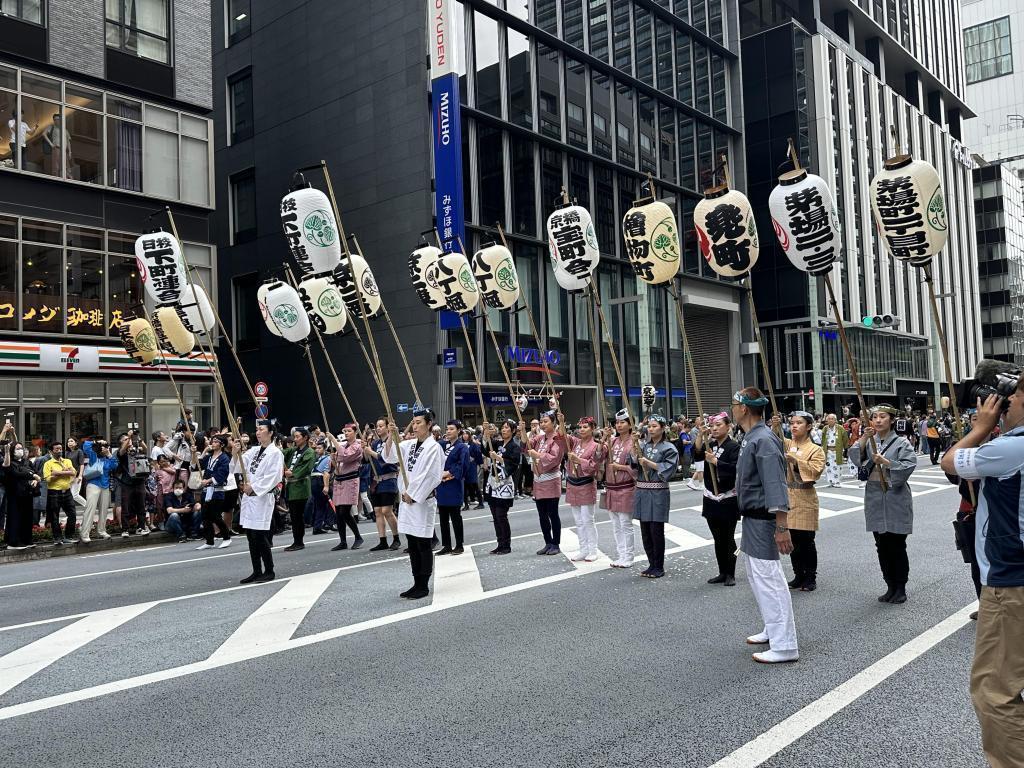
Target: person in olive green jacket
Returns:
[299, 461]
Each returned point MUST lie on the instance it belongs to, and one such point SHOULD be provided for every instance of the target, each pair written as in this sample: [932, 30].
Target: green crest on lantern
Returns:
[319, 228]
[592, 237]
[937, 211]
[285, 315]
[505, 275]
[664, 241]
[752, 232]
[330, 304]
[145, 341]
[467, 280]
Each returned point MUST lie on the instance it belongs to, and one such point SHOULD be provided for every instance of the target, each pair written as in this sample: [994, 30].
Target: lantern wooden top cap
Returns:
[792, 177]
[899, 161]
[714, 192]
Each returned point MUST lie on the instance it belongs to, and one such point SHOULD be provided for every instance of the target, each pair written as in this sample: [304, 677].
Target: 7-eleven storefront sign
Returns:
[80, 358]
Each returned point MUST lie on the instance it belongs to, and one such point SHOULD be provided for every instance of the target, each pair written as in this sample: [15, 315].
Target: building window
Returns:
[243, 207]
[987, 50]
[240, 106]
[26, 10]
[247, 314]
[140, 28]
[238, 20]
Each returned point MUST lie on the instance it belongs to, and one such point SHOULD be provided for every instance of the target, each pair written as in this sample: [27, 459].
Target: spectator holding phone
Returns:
[22, 486]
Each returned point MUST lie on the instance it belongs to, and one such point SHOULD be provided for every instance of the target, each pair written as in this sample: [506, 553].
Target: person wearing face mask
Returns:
[58, 473]
[805, 462]
[714, 446]
[22, 485]
[101, 464]
[181, 512]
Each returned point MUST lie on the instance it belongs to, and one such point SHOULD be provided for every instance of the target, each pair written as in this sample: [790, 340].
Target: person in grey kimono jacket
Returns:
[890, 513]
[657, 460]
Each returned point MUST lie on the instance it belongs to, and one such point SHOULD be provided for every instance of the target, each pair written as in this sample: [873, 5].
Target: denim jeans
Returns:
[179, 527]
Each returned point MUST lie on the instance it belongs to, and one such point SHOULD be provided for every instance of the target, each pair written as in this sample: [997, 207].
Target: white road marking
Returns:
[684, 538]
[931, 485]
[277, 619]
[19, 665]
[839, 496]
[781, 735]
[570, 544]
[456, 579]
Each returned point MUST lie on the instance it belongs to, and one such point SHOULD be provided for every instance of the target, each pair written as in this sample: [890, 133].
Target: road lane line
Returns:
[778, 737]
[456, 579]
[683, 538]
[839, 496]
[277, 619]
[19, 665]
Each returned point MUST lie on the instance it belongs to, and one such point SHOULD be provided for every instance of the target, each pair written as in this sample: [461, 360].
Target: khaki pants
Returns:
[997, 677]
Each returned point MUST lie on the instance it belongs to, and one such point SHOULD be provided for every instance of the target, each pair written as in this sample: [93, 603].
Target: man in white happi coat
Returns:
[423, 461]
[264, 467]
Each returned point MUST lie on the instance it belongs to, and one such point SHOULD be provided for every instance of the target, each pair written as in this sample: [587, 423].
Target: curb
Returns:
[115, 542]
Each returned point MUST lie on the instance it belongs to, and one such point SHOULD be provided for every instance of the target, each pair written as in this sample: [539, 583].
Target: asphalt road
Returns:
[157, 657]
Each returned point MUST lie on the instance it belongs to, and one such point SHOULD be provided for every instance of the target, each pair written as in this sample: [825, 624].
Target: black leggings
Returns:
[343, 515]
[723, 530]
[453, 514]
[502, 530]
[934, 448]
[805, 554]
[550, 522]
[421, 559]
[212, 516]
[472, 490]
[260, 543]
[653, 535]
[892, 557]
[297, 513]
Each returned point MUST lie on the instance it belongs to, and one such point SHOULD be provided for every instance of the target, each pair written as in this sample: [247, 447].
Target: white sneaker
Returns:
[86, 540]
[225, 543]
[590, 558]
[691, 485]
[760, 638]
[204, 545]
[143, 531]
[576, 556]
[104, 535]
[775, 657]
[125, 534]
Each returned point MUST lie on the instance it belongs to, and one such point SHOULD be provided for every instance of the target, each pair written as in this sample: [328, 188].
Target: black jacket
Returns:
[725, 471]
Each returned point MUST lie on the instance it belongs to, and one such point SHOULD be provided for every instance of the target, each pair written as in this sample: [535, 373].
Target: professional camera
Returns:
[992, 377]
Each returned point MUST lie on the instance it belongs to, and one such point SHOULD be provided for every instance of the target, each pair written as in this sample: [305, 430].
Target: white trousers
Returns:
[771, 591]
[96, 502]
[622, 528]
[586, 530]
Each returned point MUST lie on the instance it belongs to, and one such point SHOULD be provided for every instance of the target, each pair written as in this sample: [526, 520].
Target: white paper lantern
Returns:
[423, 271]
[311, 230]
[139, 340]
[261, 299]
[171, 333]
[648, 394]
[368, 291]
[652, 242]
[455, 278]
[572, 245]
[496, 276]
[195, 310]
[906, 198]
[285, 311]
[163, 273]
[805, 221]
[522, 401]
[726, 232]
[323, 303]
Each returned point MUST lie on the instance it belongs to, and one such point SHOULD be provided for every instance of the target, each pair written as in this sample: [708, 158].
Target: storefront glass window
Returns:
[42, 288]
[9, 293]
[520, 86]
[125, 287]
[549, 96]
[524, 196]
[491, 166]
[488, 80]
[85, 311]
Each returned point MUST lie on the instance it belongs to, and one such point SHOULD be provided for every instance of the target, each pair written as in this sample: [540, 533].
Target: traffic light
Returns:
[881, 321]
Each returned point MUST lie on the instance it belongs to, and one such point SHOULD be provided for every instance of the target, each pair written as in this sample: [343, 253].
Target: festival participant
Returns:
[383, 490]
[585, 457]
[890, 513]
[619, 488]
[264, 466]
[320, 487]
[805, 461]
[451, 490]
[657, 462]
[216, 466]
[547, 451]
[714, 446]
[764, 506]
[835, 442]
[299, 461]
[471, 477]
[348, 454]
[423, 460]
[501, 490]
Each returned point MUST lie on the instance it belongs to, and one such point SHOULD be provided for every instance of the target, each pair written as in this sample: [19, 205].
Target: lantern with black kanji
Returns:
[805, 221]
[496, 276]
[284, 310]
[573, 247]
[171, 333]
[261, 299]
[323, 303]
[456, 280]
[139, 340]
[652, 242]
[368, 291]
[906, 198]
[195, 310]
[648, 394]
[422, 270]
[158, 257]
[310, 228]
[726, 231]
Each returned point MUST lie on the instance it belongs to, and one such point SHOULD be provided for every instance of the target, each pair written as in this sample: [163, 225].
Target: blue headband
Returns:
[742, 399]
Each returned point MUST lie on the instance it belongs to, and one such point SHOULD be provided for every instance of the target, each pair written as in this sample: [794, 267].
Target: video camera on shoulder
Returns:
[991, 377]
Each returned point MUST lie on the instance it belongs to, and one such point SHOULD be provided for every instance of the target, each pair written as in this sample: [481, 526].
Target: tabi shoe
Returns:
[809, 585]
[775, 657]
[404, 551]
[204, 545]
[577, 556]
[719, 579]
[899, 595]
[887, 597]
[654, 573]
[730, 581]
[252, 577]
[444, 551]
[294, 547]
[553, 550]
[797, 581]
[338, 547]
[501, 551]
[224, 544]
[268, 576]
[417, 593]
[396, 544]
[591, 557]
[458, 550]
[479, 506]
[646, 572]
[317, 531]
[543, 550]
[381, 546]
[357, 544]
[761, 638]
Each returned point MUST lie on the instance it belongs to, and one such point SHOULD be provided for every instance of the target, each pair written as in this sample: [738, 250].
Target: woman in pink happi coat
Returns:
[619, 486]
[348, 455]
[584, 462]
[546, 452]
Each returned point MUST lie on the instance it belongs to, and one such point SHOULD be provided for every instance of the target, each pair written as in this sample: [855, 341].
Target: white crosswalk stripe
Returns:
[456, 579]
